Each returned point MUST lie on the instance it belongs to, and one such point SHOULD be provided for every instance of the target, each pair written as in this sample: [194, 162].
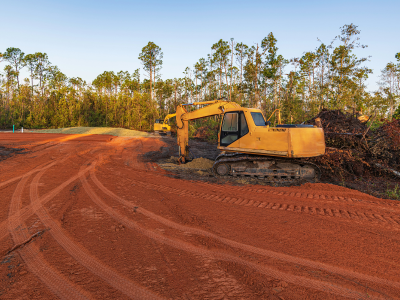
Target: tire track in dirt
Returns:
[57, 284]
[321, 196]
[27, 210]
[345, 214]
[263, 252]
[5, 183]
[310, 196]
[303, 195]
[80, 254]
[272, 272]
[4, 230]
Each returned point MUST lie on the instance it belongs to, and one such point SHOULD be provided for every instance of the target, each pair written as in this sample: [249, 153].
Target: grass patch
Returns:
[96, 130]
[393, 193]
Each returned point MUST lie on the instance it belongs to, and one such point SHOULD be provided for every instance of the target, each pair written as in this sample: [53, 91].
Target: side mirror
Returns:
[268, 123]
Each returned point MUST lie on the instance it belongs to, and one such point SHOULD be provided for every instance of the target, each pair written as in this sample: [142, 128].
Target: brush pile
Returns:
[353, 150]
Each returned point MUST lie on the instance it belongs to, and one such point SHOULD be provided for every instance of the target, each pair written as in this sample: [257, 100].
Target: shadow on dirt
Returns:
[9, 152]
[202, 156]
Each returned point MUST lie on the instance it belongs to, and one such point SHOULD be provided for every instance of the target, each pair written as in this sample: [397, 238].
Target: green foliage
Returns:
[205, 129]
[393, 193]
[151, 57]
[377, 123]
[396, 114]
[331, 76]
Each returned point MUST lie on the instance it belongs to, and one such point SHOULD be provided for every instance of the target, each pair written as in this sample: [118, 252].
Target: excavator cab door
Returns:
[234, 126]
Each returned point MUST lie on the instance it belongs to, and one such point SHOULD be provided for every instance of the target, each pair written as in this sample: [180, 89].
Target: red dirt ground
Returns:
[83, 217]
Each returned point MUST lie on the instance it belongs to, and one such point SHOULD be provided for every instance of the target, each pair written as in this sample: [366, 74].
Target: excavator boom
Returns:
[212, 108]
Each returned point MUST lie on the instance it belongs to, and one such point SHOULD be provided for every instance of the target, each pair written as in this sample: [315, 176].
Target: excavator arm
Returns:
[212, 108]
[168, 117]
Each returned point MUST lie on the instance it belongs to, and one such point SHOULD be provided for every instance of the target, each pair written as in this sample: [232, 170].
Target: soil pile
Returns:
[196, 164]
[199, 163]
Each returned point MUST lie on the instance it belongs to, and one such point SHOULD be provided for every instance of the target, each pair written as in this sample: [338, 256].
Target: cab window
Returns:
[234, 126]
[230, 128]
[258, 118]
[244, 129]
[230, 122]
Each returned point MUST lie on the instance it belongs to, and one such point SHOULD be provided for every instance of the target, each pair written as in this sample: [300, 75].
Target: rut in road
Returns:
[36, 264]
[80, 254]
[7, 182]
[390, 206]
[272, 272]
[304, 195]
[27, 211]
[260, 251]
[392, 220]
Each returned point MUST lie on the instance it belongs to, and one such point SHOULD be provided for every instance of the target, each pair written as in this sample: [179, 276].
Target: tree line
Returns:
[331, 76]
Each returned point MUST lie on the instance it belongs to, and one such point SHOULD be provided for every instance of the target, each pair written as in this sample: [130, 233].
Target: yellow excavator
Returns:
[252, 147]
[163, 126]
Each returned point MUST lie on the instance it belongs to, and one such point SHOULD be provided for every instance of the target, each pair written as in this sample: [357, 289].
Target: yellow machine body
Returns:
[163, 126]
[275, 141]
[286, 141]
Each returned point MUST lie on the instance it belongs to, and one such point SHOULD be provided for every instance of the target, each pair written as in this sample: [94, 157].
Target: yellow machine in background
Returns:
[363, 118]
[163, 126]
[251, 147]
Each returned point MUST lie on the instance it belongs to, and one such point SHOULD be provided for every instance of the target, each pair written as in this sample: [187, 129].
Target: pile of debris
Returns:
[342, 130]
[353, 150]
[386, 143]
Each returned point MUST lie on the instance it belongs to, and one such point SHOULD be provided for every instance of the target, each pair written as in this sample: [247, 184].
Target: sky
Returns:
[86, 38]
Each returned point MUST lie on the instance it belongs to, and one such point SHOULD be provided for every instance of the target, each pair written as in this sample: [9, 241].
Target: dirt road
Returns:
[85, 217]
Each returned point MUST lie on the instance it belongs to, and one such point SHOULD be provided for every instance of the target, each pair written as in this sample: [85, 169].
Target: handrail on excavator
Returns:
[279, 115]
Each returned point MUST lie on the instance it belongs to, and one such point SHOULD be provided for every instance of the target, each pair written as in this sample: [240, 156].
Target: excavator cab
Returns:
[158, 125]
[245, 130]
[234, 126]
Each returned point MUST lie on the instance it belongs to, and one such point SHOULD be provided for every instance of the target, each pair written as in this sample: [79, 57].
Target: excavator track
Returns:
[267, 168]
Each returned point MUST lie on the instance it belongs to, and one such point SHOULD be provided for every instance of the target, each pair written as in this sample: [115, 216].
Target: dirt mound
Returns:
[196, 164]
[199, 163]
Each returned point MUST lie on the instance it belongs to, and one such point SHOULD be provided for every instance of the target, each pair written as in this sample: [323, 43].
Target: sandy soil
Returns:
[89, 217]
[93, 130]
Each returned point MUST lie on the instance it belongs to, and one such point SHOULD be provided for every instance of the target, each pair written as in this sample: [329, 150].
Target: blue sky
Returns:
[85, 38]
